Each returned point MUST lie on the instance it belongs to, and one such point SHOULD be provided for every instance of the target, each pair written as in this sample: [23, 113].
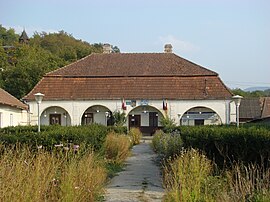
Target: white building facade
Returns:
[12, 111]
[147, 87]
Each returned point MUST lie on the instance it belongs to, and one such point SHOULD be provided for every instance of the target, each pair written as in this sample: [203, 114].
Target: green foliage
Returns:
[119, 118]
[168, 124]
[22, 66]
[8, 36]
[229, 144]
[64, 46]
[167, 145]
[93, 135]
[185, 176]
[135, 135]
[257, 93]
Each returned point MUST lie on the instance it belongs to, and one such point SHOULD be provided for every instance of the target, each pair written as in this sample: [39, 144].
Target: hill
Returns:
[22, 65]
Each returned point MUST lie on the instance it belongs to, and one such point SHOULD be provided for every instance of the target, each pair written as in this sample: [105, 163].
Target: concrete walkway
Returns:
[141, 178]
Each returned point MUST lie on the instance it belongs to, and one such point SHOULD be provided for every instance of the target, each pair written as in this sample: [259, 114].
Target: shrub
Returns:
[92, 135]
[116, 148]
[135, 135]
[229, 144]
[167, 145]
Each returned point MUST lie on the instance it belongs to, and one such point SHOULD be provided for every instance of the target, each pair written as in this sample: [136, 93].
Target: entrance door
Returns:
[199, 122]
[153, 119]
[134, 121]
[88, 118]
[55, 119]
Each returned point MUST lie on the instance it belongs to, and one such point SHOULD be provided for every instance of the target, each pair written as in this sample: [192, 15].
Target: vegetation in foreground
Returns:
[73, 166]
[193, 173]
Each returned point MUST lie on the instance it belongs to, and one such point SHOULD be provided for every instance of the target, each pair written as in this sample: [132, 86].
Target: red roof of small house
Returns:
[266, 107]
[132, 76]
[7, 99]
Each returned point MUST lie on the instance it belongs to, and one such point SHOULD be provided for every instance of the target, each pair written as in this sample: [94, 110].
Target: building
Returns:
[146, 86]
[12, 111]
[24, 39]
[255, 110]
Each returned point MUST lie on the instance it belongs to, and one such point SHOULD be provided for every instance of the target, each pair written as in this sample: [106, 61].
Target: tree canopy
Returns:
[246, 94]
[23, 65]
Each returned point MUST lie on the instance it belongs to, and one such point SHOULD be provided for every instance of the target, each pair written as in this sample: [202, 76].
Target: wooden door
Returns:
[153, 119]
[55, 119]
[134, 121]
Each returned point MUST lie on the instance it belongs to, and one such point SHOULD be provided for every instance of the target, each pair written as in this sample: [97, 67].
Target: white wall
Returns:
[12, 116]
[176, 109]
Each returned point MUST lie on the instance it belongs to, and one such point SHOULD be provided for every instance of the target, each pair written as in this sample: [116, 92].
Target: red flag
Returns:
[124, 107]
[165, 105]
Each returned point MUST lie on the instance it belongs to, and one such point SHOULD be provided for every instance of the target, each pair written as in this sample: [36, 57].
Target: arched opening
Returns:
[97, 114]
[200, 116]
[55, 116]
[146, 118]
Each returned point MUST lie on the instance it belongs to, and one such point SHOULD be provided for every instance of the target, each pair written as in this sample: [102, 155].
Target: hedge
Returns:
[228, 144]
[92, 135]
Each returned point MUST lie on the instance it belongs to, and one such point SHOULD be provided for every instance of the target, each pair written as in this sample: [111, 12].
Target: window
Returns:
[1, 119]
[11, 120]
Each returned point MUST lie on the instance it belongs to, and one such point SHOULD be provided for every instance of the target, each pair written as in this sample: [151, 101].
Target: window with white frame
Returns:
[11, 120]
[1, 114]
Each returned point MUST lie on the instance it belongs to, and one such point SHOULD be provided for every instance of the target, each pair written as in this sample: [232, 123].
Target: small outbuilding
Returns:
[12, 111]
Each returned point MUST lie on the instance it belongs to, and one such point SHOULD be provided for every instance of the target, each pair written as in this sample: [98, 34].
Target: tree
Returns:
[32, 64]
[119, 118]
[8, 36]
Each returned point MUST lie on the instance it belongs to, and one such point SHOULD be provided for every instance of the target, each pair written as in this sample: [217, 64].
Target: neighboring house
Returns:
[12, 111]
[146, 86]
[254, 110]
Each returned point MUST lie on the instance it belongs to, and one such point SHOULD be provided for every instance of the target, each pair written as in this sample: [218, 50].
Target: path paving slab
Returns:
[141, 178]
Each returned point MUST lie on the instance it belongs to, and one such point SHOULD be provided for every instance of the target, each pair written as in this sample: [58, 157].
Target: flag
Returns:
[165, 105]
[124, 107]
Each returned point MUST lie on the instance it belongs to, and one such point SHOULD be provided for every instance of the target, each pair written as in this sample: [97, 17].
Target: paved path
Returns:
[141, 179]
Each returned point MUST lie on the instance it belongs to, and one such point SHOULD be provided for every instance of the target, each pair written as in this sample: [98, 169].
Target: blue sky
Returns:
[230, 37]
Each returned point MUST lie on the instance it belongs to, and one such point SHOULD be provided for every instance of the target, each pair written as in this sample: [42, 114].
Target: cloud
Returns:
[29, 30]
[178, 45]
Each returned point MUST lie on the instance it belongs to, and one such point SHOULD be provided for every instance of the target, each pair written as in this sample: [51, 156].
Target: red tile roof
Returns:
[59, 88]
[266, 107]
[132, 76]
[132, 64]
[7, 99]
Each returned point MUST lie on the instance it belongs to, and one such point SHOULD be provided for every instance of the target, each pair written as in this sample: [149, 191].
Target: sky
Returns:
[230, 37]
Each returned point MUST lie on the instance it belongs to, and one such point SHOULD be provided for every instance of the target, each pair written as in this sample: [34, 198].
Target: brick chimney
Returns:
[107, 48]
[168, 48]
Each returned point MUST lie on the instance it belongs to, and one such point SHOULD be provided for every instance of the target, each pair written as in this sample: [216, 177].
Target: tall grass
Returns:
[135, 135]
[116, 147]
[186, 175]
[44, 176]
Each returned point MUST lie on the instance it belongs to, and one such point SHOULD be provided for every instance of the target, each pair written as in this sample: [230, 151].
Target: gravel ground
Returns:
[141, 178]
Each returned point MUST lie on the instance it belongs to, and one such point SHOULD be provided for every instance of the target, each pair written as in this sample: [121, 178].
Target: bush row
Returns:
[222, 143]
[93, 135]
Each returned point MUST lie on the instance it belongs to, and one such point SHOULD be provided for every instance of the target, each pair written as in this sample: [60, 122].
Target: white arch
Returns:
[65, 117]
[202, 113]
[100, 113]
